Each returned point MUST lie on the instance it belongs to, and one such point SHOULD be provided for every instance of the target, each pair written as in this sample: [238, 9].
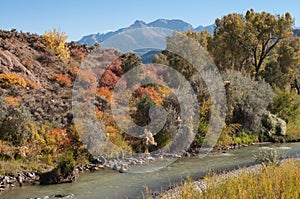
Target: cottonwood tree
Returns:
[240, 40]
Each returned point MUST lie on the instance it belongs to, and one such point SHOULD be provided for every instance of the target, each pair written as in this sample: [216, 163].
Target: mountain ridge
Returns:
[173, 24]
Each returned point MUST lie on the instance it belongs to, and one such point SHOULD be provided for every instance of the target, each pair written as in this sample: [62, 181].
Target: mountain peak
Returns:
[138, 23]
[172, 24]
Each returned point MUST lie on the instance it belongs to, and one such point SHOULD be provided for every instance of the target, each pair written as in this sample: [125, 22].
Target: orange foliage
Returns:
[62, 79]
[58, 137]
[13, 101]
[32, 84]
[153, 94]
[12, 79]
[104, 91]
[73, 71]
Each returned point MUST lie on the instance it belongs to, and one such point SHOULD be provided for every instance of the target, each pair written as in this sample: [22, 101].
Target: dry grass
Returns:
[265, 182]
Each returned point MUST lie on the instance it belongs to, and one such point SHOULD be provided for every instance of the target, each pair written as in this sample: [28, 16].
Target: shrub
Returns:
[13, 101]
[267, 156]
[78, 54]
[61, 79]
[66, 164]
[12, 79]
[104, 91]
[249, 100]
[244, 137]
[73, 71]
[56, 42]
[16, 126]
[32, 84]
[285, 106]
[56, 140]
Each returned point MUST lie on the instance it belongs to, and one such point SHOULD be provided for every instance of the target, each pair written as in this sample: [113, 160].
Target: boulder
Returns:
[56, 177]
[274, 125]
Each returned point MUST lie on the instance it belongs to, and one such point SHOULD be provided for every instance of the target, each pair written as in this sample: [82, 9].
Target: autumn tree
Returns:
[283, 70]
[243, 39]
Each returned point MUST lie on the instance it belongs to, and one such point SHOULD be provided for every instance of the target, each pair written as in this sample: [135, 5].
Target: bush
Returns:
[61, 79]
[16, 126]
[13, 101]
[244, 137]
[267, 156]
[56, 42]
[285, 106]
[11, 79]
[249, 100]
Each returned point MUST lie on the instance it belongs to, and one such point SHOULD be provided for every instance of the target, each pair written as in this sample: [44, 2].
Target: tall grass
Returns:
[267, 182]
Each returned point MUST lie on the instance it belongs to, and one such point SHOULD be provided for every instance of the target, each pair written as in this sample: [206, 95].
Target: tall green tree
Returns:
[244, 40]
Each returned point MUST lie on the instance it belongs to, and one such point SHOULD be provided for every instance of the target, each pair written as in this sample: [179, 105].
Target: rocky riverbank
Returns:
[121, 165]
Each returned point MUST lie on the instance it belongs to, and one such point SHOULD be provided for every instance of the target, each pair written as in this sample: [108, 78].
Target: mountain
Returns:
[297, 32]
[173, 24]
[209, 28]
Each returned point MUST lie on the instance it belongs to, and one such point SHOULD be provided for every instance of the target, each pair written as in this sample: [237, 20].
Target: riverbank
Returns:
[154, 162]
[255, 181]
[25, 178]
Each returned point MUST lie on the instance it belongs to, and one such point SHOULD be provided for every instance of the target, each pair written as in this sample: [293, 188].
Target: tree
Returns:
[203, 38]
[283, 70]
[240, 40]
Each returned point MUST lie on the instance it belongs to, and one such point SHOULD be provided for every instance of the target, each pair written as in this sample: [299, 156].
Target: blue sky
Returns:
[82, 17]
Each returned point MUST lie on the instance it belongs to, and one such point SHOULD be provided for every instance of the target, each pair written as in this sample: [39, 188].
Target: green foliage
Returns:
[244, 42]
[244, 137]
[285, 105]
[16, 126]
[129, 61]
[202, 130]
[282, 70]
[66, 164]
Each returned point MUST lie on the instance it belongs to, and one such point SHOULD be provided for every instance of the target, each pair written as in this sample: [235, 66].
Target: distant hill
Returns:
[297, 32]
[173, 24]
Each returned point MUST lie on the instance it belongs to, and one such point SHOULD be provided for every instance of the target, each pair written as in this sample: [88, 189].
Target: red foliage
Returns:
[109, 79]
[78, 54]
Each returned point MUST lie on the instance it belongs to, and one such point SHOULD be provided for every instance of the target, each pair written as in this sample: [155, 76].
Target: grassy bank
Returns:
[265, 182]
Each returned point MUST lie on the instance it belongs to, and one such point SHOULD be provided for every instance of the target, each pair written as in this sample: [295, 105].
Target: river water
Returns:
[114, 185]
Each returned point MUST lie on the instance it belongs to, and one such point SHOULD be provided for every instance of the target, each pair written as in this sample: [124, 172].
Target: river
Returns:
[114, 185]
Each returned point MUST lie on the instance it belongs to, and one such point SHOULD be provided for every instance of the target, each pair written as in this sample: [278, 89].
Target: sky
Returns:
[82, 17]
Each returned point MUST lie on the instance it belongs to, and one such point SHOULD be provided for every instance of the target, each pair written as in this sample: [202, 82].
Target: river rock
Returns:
[101, 160]
[55, 177]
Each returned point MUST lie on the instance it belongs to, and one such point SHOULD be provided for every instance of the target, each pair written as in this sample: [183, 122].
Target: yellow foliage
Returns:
[11, 79]
[56, 42]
